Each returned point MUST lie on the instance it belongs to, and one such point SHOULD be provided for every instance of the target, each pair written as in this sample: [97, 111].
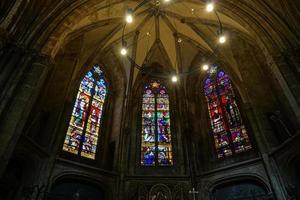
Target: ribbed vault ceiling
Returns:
[161, 28]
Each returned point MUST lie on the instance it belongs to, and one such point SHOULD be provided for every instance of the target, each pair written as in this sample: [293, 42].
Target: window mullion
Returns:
[156, 129]
[225, 118]
[87, 118]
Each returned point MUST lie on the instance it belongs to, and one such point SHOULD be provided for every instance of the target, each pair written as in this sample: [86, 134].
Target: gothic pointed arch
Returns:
[228, 129]
[160, 191]
[241, 188]
[74, 186]
[85, 124]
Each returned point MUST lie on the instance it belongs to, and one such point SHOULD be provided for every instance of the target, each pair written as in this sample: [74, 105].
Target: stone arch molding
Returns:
[247, 177]
[290, 165]
[160, 192]
[81, 177]
[180, 191]
[60, 28]
[142, 192]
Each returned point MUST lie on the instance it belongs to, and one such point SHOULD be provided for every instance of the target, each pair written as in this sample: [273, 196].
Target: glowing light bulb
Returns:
[123, 51]
[129, 18]
[166, 1]
[222, 39]
[174, 79]
[210, 7]
[205, 67]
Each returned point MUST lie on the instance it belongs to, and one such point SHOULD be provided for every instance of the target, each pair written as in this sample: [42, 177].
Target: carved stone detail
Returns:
[160, 192]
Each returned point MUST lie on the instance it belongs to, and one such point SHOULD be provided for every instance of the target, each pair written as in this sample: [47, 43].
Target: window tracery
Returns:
[85, 124]
[156, 145]
[229, 132]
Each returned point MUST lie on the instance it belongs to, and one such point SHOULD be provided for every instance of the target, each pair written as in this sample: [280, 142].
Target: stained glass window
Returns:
[85, 124]
[229, 132]
[156, 146]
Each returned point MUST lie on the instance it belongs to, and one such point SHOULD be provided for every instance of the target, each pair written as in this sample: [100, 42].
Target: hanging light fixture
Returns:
[209, 7]
[222, 39]
[129, 16]
[174, 79]
[123, 50]
[205, 67]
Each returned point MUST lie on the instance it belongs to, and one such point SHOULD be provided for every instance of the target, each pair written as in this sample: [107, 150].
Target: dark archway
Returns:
[297, 185]
[294, 176]
[242, 189]
[11, 181]
[5, 7]
[297, 167]
[76, 189]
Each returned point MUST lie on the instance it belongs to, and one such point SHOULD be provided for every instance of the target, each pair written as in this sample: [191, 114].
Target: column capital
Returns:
[247, 106]
[291, 51]
[3, 37]
[43, 59]
[287, 54]
[3, 33]
[289, 57]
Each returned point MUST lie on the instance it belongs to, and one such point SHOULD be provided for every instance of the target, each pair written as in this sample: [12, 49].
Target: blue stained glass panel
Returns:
[148, 155]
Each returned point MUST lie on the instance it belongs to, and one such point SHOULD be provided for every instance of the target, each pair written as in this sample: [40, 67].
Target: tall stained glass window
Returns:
[85, 124]
[228, 130]
[156, 146]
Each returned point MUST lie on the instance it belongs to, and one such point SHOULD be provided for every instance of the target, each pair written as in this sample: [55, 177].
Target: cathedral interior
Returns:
[149, 99]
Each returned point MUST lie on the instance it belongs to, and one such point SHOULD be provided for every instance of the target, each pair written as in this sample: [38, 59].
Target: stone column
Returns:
[20, 104]
[13, 62]
[3, 38]
[289, 65]
[9, 58]
[12, 10]
[276, 182]
[286, 70]
[260, 130]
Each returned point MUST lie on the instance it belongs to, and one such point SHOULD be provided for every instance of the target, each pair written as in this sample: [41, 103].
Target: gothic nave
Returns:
[149, 99]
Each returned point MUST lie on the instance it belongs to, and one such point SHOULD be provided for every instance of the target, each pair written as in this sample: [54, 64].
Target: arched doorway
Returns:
[294, 177]
[240, 190]
[297, 185]
[11, 181]
[76, 189]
